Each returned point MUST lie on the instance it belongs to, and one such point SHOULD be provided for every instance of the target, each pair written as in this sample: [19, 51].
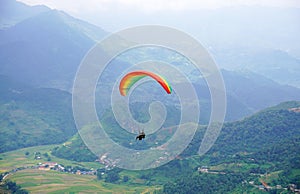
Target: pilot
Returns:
[140, 136]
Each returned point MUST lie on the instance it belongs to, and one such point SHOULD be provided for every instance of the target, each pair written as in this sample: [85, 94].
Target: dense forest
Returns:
[26, 120]
[204, 183]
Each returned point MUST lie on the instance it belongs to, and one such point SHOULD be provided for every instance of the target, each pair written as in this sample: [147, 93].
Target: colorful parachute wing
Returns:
[131, 78]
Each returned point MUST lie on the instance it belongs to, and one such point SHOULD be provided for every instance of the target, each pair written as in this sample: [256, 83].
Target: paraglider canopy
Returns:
[131, 78]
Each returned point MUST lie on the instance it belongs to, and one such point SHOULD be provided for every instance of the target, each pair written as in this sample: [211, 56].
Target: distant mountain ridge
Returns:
[45, 50]
[277, 65]
[12, 12]
[256, 91]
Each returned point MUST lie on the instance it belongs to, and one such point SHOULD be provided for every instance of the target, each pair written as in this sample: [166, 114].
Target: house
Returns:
[61, 168]
[47, 165]
[203, 169]
[50, 164]
[43, 168]
[296, 110]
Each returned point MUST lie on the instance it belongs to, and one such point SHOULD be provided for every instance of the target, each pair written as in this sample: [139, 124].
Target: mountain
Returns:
[265, 130]
[257, 92]
[32, 116]
[253, 151]
[46, 49]
[262, 39]
[12, 12]
[274, 64]
[247, 92]
[74, 149]
[262, 147]
[269, 130]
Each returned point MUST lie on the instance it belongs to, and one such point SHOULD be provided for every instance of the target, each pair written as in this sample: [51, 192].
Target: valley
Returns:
[257, 150]
[247, 169]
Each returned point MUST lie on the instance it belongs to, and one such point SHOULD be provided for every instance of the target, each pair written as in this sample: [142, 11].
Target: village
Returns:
[47, 166]
[44, 165]
[54, 166]
[50, 165]
[68, 169]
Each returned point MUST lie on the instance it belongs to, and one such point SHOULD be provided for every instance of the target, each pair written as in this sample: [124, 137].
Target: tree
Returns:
[99, 175]
[112, 176]
[46, 155]
[125, 179]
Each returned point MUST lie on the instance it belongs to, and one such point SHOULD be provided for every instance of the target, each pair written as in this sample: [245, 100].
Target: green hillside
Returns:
[264, 143]
[264, 129]
[262, 147]
[74, 149]
[30, 117]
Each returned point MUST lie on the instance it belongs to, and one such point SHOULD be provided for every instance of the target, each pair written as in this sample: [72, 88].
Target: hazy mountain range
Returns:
[43, 48]
[274, 64]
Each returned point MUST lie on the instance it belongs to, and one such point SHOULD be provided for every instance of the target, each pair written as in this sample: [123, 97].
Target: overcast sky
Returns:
[154, 5]
[100, 12]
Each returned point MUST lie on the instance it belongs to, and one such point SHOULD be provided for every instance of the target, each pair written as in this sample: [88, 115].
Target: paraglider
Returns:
[131, 78]
[140, 136]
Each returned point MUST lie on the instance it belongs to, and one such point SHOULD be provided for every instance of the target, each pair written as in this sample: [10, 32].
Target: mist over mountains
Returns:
[274, 64]
[257, 38]
[13, 12]
[44, 49]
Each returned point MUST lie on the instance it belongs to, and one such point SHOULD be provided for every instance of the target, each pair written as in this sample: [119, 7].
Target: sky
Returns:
[215, 23]
[154, 5]
[100, 12]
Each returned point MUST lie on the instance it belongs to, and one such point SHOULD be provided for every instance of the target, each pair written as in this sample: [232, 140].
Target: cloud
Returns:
[150, 6]
[115, 14]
